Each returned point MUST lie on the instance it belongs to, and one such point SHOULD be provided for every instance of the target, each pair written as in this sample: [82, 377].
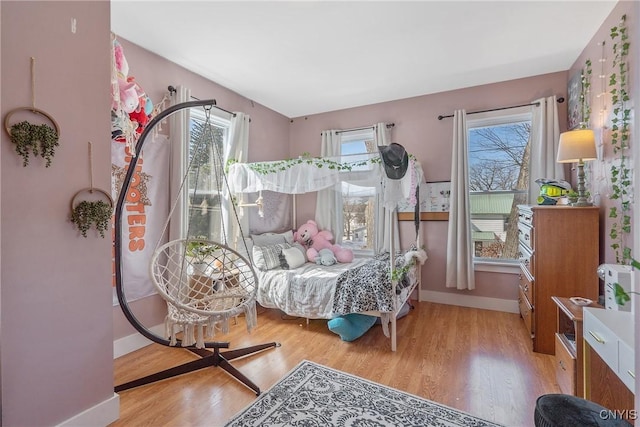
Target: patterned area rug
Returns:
[314, 395]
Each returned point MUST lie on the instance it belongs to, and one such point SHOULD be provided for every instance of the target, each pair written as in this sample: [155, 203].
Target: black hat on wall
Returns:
[395, 160]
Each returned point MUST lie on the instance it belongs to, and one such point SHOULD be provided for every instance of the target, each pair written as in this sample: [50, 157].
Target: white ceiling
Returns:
[306, 57]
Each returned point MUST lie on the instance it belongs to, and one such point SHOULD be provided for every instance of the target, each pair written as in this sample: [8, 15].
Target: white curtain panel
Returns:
[179, 140]
[460, 273]
[236, 149]
[329, 201]
[545, 137]
[385, 214]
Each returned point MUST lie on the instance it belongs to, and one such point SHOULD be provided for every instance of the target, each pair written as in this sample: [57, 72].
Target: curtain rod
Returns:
[560, 100]
[173, 90]
[389, 125]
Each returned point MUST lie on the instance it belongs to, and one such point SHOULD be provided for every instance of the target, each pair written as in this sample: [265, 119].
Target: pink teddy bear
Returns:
[313, 239]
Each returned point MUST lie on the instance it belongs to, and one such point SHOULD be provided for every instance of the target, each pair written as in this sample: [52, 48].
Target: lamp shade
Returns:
[577, 145]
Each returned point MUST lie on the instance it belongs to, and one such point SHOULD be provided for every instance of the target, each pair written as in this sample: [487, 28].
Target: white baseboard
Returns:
[102, 414]
[134, 342]
[496, 304]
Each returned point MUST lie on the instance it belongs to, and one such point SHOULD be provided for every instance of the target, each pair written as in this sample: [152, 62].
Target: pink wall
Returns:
[598, 171]
[269, 131]
[56, 358]
[429, 139]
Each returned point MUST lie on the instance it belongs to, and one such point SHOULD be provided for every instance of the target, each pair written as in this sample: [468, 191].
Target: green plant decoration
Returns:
[584, 95]
[621, 184]
[265, 168]
[87, 214]
[199, 250]
[621, 296]
[34, 139]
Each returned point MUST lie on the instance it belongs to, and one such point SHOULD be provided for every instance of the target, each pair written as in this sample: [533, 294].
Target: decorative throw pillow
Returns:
[294, 256]
[266, 239]
[351, 326]
[268, 257]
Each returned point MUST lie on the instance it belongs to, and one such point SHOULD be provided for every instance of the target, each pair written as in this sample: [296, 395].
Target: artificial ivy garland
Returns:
[37, 139]
[620, 134]
[265, 168]
[86, 214]
[586, 89]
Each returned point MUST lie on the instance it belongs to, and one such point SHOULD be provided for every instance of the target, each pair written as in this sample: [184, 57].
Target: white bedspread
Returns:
[307, 291]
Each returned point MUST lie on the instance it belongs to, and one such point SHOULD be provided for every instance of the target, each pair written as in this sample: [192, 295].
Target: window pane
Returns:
[358, 211]
[205, 180]
[498, 182]
[358, 202]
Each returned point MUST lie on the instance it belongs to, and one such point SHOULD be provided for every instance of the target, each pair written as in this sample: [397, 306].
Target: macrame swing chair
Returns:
[204, 283]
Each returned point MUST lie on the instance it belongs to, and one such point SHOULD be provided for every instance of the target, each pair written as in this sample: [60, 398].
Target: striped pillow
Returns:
[268, 257]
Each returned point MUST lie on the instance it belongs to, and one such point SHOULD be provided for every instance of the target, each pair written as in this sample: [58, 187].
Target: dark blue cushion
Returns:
[351, 326]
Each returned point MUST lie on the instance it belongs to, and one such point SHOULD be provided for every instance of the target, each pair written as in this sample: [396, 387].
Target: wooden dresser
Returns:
[559, 255]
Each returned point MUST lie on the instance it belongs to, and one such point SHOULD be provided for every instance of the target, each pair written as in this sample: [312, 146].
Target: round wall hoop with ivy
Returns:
[37, 139]
[91, 213]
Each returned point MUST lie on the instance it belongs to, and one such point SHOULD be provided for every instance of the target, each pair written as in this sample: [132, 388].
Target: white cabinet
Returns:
[610, 334]
[626, 368]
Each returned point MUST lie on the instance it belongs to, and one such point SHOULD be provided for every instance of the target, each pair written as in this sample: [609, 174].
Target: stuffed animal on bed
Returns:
[313, 240]
[326, 257]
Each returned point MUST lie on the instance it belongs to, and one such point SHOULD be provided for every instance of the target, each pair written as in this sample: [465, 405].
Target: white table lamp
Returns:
[578, 146]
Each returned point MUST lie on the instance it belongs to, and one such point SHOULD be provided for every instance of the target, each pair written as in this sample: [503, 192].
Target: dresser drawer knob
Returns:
[596, 337]
[562, 365]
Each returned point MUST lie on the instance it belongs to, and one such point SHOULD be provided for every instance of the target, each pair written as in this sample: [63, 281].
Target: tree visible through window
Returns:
[498, 182]
[206, 142]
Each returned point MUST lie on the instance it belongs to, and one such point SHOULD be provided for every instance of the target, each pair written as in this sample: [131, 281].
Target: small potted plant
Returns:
[200, 250]
[200, 253]
[92, 213]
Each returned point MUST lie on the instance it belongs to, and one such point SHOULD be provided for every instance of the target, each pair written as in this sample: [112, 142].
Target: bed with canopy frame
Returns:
[378, 286]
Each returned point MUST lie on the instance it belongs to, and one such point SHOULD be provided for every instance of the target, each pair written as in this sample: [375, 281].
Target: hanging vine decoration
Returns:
[32, 138]
[621, 190]
[265, 168]
[585, 95]
[91, 213]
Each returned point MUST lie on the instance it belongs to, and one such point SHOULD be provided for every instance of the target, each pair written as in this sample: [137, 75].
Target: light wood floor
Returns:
[478, 361]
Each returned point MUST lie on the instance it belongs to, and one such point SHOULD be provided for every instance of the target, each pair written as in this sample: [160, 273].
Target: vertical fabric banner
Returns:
[145, 211]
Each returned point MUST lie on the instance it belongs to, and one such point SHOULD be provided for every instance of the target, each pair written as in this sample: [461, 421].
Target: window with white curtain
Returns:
[205, 174]
[498, 180]
[358, 202]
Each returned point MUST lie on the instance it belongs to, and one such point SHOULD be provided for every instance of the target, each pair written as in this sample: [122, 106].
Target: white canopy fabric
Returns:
[306, 176]
[295, 179]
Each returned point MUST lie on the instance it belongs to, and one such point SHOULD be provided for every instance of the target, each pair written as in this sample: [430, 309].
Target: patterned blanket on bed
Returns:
[367, 287]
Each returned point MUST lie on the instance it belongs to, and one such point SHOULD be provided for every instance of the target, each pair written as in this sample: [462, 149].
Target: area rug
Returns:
[315, 395]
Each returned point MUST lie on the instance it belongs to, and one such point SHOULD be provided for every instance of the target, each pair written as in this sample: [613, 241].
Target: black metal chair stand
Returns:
[207, 358]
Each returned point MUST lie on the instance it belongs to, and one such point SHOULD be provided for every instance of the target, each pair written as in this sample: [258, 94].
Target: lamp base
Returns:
[582, 199]
[581, 202]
